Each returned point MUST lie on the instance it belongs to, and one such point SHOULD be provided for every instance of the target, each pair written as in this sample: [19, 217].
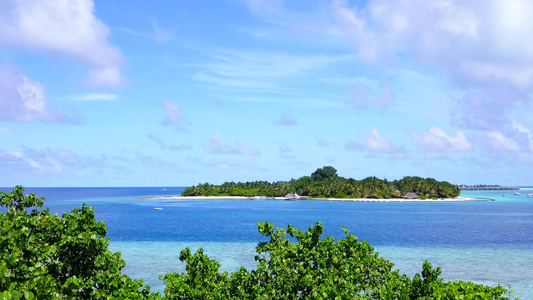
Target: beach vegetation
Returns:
[325, 183]
[44, 256]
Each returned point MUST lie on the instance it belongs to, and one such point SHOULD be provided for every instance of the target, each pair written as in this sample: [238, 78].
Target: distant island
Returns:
[325, 183]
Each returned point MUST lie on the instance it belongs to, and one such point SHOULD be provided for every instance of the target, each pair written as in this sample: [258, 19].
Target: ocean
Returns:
[488, 242]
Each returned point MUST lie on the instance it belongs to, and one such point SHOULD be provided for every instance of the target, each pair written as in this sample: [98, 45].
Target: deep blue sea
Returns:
[487, 242]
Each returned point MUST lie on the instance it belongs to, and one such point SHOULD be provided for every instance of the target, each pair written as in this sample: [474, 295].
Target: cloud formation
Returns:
[499, 141]
[217, 146]
[515, 141]
[365, 96]
[172, 113]
[477, 46]
[164, 145]
[436, 139]
[158, 33]
[235, 68]
[287, 121]
[376, 143]
[50, 161]
[24, 100]
[63, 27]
[450, 35]
[95, 97]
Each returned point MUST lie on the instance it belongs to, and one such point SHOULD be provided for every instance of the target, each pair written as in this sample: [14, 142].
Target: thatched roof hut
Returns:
[411, 195]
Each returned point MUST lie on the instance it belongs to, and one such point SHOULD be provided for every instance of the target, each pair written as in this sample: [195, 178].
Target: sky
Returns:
[176, 93]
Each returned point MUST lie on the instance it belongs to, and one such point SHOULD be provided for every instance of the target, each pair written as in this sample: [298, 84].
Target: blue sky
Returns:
[173, 93]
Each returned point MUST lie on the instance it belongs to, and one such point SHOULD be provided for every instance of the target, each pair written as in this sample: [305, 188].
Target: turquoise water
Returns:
[486, 242]
[149, 260]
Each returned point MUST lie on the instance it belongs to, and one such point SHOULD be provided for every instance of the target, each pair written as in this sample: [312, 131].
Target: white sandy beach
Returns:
[174, 198]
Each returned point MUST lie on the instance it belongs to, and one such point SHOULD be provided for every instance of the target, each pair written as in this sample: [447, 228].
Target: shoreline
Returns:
[177, 198]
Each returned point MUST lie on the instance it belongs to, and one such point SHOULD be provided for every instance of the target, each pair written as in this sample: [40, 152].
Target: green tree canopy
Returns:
[44, 256]
[325, 182]
[324, 173]
[294, 264]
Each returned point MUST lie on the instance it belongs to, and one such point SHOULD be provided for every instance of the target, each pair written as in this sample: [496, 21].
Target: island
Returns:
[325, 184]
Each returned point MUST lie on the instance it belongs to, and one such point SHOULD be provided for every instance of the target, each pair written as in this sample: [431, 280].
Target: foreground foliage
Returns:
[48, 257]
[325, 182]
[43, 256]
[315, 268]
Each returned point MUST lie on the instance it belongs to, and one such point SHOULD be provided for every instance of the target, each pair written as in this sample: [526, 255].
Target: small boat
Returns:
[530, 195]
[159, 208]
[517, 193]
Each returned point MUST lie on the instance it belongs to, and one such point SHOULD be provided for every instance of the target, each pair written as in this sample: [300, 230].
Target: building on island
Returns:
[411, 195]
[295, 196]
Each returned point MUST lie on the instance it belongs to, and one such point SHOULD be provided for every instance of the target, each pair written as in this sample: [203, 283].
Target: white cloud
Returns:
[500, 142]
[94, 97]
[50, 161]
[476, 42]
[155, 164]
[172, 113]
[478, 45]
[376, 143]
[106, 77]
[15, 159]
[435, 31]
[244, 149]
[522, 130]
[164, 145]
[23, 100]
[436, 139]
[159, 34]
[63, 27]
[224, 167]
[234, 68]
[511, 143]
[217, 146]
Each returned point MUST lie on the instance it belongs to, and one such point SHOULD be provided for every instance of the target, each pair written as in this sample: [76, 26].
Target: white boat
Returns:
[530, 195]
[517, 193]
[159, 208]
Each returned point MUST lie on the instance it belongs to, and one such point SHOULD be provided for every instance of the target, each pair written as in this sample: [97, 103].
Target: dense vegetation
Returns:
[325, 182]
[43, 256]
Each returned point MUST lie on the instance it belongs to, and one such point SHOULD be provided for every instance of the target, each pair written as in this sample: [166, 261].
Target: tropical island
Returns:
[325, 183]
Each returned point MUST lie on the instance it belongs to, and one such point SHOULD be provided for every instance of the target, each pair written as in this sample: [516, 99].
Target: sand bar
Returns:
[177, 198]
